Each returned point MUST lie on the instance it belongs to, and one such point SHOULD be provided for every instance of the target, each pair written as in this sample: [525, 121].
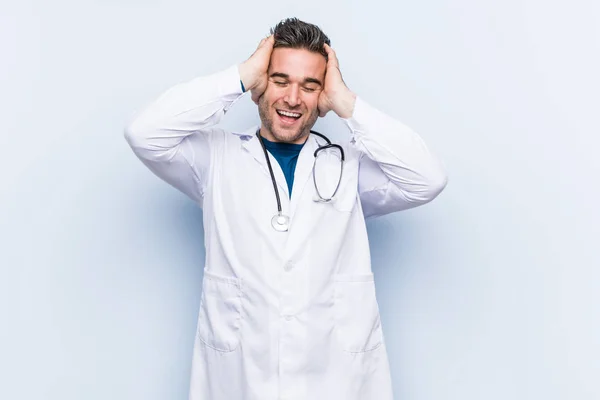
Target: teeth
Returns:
[289, 114]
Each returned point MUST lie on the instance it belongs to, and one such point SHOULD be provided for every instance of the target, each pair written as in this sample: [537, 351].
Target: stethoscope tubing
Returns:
[320, 148]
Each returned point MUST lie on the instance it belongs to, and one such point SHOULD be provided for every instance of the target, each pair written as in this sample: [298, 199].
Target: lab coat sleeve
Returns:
[172, 135]
[396, 169]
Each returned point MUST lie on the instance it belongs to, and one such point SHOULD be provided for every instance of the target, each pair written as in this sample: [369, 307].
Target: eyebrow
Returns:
[286, 76]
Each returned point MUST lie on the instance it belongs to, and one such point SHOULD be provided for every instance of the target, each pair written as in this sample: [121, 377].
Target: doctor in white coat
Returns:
[288, 307]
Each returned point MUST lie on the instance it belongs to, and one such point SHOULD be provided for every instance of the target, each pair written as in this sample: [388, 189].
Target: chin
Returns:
[287, 136]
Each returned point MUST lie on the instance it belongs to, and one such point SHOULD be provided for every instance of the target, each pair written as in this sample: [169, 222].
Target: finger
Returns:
[266, 45]
[331, 57]
[269, 40]
[329, 50]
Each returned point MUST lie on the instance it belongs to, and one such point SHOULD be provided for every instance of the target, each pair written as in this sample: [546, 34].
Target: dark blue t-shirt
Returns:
[286, 155]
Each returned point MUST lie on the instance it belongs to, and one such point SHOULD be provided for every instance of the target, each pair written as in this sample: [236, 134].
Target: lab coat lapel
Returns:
[301, 221]
[252, 145]
[303, 171]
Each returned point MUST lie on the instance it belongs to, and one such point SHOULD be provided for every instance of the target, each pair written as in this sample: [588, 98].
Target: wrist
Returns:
[345, 104]
[245, 77]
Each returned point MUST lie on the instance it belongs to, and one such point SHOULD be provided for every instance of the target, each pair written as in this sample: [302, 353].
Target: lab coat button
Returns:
[288, 266]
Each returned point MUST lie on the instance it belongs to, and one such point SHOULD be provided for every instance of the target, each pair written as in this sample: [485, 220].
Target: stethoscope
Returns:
[280, 221]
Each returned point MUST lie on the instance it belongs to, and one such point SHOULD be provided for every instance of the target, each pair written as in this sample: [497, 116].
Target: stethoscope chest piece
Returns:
[280, 222]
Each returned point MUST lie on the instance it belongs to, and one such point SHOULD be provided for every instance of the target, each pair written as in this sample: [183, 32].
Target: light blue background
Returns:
[489, 292]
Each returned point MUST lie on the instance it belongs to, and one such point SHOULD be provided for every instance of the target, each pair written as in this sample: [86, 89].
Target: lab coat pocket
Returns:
[346, 200]
[357, 313]
[220, 312]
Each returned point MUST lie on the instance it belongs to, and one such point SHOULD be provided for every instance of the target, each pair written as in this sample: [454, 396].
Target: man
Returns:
[288, 307]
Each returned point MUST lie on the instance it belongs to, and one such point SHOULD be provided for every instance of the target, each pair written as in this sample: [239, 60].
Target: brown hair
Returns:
[296, 34]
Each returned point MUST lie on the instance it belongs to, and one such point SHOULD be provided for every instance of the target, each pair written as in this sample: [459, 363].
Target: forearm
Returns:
[399, 152]
[184, 109]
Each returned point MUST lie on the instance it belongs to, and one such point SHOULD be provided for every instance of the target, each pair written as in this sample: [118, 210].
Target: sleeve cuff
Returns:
[361, 110]
[230, 82]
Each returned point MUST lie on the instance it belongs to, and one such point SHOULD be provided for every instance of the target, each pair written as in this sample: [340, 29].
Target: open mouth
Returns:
[288, 117]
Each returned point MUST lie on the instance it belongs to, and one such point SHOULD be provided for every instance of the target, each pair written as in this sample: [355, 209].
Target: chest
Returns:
[247, 195]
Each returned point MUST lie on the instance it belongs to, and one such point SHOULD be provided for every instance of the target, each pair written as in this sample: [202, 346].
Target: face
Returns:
[288, 107]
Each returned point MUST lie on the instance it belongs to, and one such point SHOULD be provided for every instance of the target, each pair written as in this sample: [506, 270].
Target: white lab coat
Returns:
[283, 315]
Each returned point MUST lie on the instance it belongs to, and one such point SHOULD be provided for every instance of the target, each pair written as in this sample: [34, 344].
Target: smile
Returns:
[289, 114]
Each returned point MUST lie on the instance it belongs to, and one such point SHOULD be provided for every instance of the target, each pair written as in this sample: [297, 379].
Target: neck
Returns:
[264, 132]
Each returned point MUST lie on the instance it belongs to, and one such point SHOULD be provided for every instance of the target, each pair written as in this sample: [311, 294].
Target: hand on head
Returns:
[253, 71]
[334, 95]
[333, 79]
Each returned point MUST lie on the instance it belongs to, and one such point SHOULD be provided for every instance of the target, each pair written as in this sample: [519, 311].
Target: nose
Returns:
[292, 97]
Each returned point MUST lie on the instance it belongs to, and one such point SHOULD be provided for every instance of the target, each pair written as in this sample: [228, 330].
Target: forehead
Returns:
[298, 63]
